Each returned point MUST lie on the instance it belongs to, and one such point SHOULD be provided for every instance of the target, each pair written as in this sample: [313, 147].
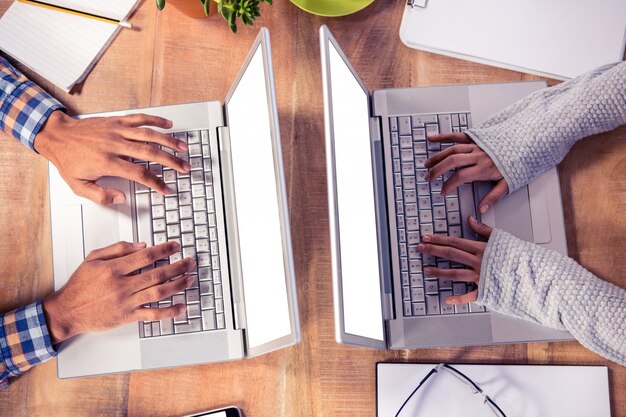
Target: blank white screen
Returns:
[256, 197]
[356, 203]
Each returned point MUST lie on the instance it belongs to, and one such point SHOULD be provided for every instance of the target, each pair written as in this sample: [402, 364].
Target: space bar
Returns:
[466, 204]
[144, 228]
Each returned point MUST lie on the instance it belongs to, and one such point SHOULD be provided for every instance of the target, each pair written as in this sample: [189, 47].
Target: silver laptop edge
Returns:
[497, 328]
[199, 347]
[263, 41]
[340, 334]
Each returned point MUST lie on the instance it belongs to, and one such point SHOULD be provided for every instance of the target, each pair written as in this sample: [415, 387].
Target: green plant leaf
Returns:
[206, 4]
[160, 4]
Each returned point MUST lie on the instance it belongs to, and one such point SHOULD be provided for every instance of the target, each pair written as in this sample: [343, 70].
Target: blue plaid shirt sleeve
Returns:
[24, 106]
[24, 341]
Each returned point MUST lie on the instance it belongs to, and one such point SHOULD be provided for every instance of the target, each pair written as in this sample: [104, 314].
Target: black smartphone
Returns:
[231, 411]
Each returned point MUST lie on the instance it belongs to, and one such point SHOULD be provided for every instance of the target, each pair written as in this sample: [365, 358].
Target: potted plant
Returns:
[246, 10]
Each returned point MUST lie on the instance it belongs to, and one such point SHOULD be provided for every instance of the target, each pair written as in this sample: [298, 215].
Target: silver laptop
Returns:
[230, 213]
[380, 203]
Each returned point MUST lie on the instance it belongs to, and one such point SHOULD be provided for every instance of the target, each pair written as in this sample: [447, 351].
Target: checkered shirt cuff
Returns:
[24, 106]
[24, 341]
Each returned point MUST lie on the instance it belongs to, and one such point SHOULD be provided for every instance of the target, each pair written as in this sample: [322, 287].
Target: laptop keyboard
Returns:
[421, 210]
[187, 216]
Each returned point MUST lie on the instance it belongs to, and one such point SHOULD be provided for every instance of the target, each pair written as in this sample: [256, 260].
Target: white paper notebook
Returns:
[519, 390]
[558, 38]
[61, 47]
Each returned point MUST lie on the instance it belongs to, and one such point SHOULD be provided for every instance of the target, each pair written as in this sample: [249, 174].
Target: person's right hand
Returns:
[473, 164]
[104, 292]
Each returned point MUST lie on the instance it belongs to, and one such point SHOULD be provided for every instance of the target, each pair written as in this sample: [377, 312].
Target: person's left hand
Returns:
[85, 150]
[471, 163]
[464, 251]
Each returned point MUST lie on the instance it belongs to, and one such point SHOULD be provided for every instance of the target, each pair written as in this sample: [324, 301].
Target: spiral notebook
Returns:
[61, 47]
[519, 390]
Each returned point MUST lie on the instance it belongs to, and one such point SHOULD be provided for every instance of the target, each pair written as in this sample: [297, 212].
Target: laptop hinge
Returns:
[232, 233]
[382, 221]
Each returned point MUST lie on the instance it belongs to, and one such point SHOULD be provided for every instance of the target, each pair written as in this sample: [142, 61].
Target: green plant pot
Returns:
[332, 8]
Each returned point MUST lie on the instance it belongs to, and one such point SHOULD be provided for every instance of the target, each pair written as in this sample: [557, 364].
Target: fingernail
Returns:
[169, 124]
[182, 308]
[472, 218]
[483, 209]
[175, 245]
[186, 166]
[420, 247]
[182, 146]
[190, 280]
[428, 270]
[427, 177]
[119, 199]
[191, 264]
[139, 244]
[426, 238]
[167, 190]
[427, 163]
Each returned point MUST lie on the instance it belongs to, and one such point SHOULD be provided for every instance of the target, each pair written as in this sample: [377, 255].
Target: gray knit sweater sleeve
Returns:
[527, 281]
[534, 134]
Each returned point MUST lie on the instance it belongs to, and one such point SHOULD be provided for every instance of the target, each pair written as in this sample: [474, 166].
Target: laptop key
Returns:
[206, 287]
[461, 308]
[404, 125]
[193, 311]
[167, 327]
[393, 124]
[204, 274]
[407, 308]
[147, 329]
[208, 319]
[419, 309]
[432, 304]
[445, 123]
[445, 308]
[431, 287]
[207, 302]
[417, 294]
[219, 319]
[182, 328]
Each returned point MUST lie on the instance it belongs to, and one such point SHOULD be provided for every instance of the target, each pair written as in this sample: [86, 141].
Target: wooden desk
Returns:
[171, 59]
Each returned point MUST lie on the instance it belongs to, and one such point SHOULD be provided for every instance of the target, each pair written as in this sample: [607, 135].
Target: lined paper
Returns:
[59, 46]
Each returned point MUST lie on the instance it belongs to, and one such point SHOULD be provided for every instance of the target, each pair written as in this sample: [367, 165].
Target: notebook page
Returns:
[59, 46]
[113, 9]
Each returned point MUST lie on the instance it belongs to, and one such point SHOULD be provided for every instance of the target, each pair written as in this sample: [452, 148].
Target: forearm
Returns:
[24, 341]
[24, 106]
[527, 281]
[534, 134]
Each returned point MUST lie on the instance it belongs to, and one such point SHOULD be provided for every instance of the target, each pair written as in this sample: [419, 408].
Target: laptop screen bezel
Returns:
[326, 39]
[263, 42]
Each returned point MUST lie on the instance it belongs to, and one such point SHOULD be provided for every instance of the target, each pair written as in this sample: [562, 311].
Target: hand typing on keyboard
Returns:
[86, 150]
[463, 251]
[105, 292]
[473, 164]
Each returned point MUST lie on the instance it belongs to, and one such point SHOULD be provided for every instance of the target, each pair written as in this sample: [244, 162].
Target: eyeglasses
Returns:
[464, 379]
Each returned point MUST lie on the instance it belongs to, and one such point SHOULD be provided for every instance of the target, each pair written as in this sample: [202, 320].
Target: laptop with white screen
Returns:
[229, 213]
[381, 202]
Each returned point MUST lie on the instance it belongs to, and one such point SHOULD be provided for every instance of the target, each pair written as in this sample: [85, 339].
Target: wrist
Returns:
[50, 132]
[59, 325]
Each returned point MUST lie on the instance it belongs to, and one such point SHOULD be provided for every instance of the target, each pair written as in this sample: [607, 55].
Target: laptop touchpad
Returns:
[511, 214]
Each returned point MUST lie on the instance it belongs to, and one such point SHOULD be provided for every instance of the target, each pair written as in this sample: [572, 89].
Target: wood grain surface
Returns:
[168, 58]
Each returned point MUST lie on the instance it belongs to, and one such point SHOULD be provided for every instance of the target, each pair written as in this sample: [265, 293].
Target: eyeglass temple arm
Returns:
[432, 371]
